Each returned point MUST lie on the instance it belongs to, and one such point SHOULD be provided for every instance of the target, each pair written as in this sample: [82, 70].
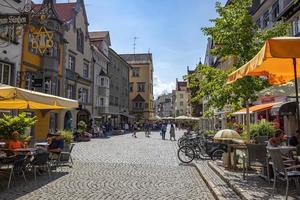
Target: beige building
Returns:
[141, 85]
[77, 70]
[181, 97]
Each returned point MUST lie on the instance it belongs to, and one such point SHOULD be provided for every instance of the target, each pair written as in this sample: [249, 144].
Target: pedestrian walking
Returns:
[172, 132]
[134, 130]
[147, 129]
[126, 127]
[163, 131]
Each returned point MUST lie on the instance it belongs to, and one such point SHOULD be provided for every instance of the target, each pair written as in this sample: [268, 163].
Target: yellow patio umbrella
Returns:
[277, 61]
[18, 98]
[226, 134]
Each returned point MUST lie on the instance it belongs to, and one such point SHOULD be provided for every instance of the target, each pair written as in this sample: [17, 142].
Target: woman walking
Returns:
[172, 132]
[135, 128]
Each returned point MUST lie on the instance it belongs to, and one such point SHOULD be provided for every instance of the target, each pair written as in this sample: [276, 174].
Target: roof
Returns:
[181, 84]
[100, 35]
[137, 58]
[138, 98]
[64, 11]
[256, 108]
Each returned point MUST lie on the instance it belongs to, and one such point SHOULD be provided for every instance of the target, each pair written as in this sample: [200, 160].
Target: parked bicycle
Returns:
[199, 147]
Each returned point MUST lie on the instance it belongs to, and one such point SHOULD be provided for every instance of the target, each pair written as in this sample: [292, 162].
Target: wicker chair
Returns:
[283, 173]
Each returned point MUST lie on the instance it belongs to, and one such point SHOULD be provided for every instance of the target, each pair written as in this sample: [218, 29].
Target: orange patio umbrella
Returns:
[278, 60]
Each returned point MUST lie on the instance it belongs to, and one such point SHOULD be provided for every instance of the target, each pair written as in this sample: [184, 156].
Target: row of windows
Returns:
[83, 93]
[269, 15]
[72, 63]
[140, 87]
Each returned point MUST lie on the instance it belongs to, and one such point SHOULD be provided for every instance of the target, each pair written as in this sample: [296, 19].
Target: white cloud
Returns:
[161, 87]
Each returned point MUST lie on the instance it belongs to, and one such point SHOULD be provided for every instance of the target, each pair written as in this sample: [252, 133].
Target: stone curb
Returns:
[239, 191]
[211, 186]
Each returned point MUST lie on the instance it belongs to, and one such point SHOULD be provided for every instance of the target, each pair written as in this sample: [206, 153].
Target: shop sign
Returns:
[13, 19]
[37, 83]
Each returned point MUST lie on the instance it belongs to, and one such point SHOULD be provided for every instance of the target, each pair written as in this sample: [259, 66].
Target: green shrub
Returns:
[20, 123]
[262, 128]
[82, 126]
[67, 136]
[210, 132]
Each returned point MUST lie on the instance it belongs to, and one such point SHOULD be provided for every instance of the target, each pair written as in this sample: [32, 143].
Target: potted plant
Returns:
[81, 134]
[262, 128]
[67, 137]
[19, 123]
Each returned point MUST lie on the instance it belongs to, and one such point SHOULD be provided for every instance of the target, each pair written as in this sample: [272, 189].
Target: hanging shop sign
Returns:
[42, 40]
[12, 19]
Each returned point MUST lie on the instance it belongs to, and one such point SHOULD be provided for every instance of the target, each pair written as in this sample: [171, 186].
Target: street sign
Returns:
[11, 19]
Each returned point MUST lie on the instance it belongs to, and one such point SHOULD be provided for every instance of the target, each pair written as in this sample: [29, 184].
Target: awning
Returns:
[18, 98]
[256, 108]
[286, 108]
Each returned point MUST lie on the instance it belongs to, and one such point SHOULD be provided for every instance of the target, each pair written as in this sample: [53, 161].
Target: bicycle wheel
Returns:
[217, 154]
[186, 154]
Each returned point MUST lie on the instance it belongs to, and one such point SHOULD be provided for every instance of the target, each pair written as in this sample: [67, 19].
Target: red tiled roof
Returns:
[64, 11]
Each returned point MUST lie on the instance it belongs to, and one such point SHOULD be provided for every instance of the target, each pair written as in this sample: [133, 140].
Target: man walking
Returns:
[147, 129]
[163, 131]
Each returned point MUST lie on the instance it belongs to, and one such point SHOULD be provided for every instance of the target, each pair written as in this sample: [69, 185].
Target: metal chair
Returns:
[40, 161]
[65, 158]
[257, 157]
[19, 168]
[283, 173]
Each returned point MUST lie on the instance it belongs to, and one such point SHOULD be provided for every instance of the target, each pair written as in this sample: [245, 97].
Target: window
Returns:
[5, 73]
[275, 10]
[70, 91]
[135, 72]
[71, 63]
[181, 96]
[141, 87]
[83, 95]
[102, 82]
[100, 102]
[296, 26]
[116, 101]
[138, 105]
[181, 103]
[131, 87]
[257, 23]
[85, 72]
[111, 100]
[80, 40]
[266, 19]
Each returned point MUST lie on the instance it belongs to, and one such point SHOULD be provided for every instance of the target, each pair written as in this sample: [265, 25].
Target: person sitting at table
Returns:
[57, 144]
[295, 140]
[277, 140]
[15, 143]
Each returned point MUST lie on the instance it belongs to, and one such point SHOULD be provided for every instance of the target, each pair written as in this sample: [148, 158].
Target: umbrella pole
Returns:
[296, 90]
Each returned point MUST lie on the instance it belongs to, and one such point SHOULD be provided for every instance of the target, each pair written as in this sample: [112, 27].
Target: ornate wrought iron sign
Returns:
[14, 19]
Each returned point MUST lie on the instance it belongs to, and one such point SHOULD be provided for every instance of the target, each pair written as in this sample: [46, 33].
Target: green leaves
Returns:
[235, 36]
[20, 123]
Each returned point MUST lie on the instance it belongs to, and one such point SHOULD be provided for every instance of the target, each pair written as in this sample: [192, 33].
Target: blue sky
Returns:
[169, 28]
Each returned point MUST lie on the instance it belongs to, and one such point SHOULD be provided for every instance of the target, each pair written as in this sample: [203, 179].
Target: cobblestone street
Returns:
[120, 167]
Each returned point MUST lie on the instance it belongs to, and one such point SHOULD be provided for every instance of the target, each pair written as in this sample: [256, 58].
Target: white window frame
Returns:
[2, 66]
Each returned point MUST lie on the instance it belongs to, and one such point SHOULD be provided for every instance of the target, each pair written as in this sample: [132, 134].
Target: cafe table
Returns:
[284, 149]
[41, 144]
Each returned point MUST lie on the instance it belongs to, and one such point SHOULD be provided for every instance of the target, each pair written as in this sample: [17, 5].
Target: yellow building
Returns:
[41, 62]
[141, 85]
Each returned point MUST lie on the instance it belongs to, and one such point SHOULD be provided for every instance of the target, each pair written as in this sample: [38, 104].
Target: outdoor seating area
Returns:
[39, 161]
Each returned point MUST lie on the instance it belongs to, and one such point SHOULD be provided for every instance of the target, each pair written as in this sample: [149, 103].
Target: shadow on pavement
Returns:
[19, 188]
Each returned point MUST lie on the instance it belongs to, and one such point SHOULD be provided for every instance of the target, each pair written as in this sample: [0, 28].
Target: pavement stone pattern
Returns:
[120, 167]
[253, 187]
[220, 187]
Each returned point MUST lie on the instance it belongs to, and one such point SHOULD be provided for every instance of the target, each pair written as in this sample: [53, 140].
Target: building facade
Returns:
[77, 68]
[164, 106]
[118, 71]
[11, 40]
[181, 98]
[100, 44]
[141, 85]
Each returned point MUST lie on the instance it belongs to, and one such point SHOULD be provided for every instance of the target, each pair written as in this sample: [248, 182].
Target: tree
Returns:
[235, 36]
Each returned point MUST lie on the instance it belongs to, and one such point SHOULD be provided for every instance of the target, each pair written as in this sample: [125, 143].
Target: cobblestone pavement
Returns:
[120, 167]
